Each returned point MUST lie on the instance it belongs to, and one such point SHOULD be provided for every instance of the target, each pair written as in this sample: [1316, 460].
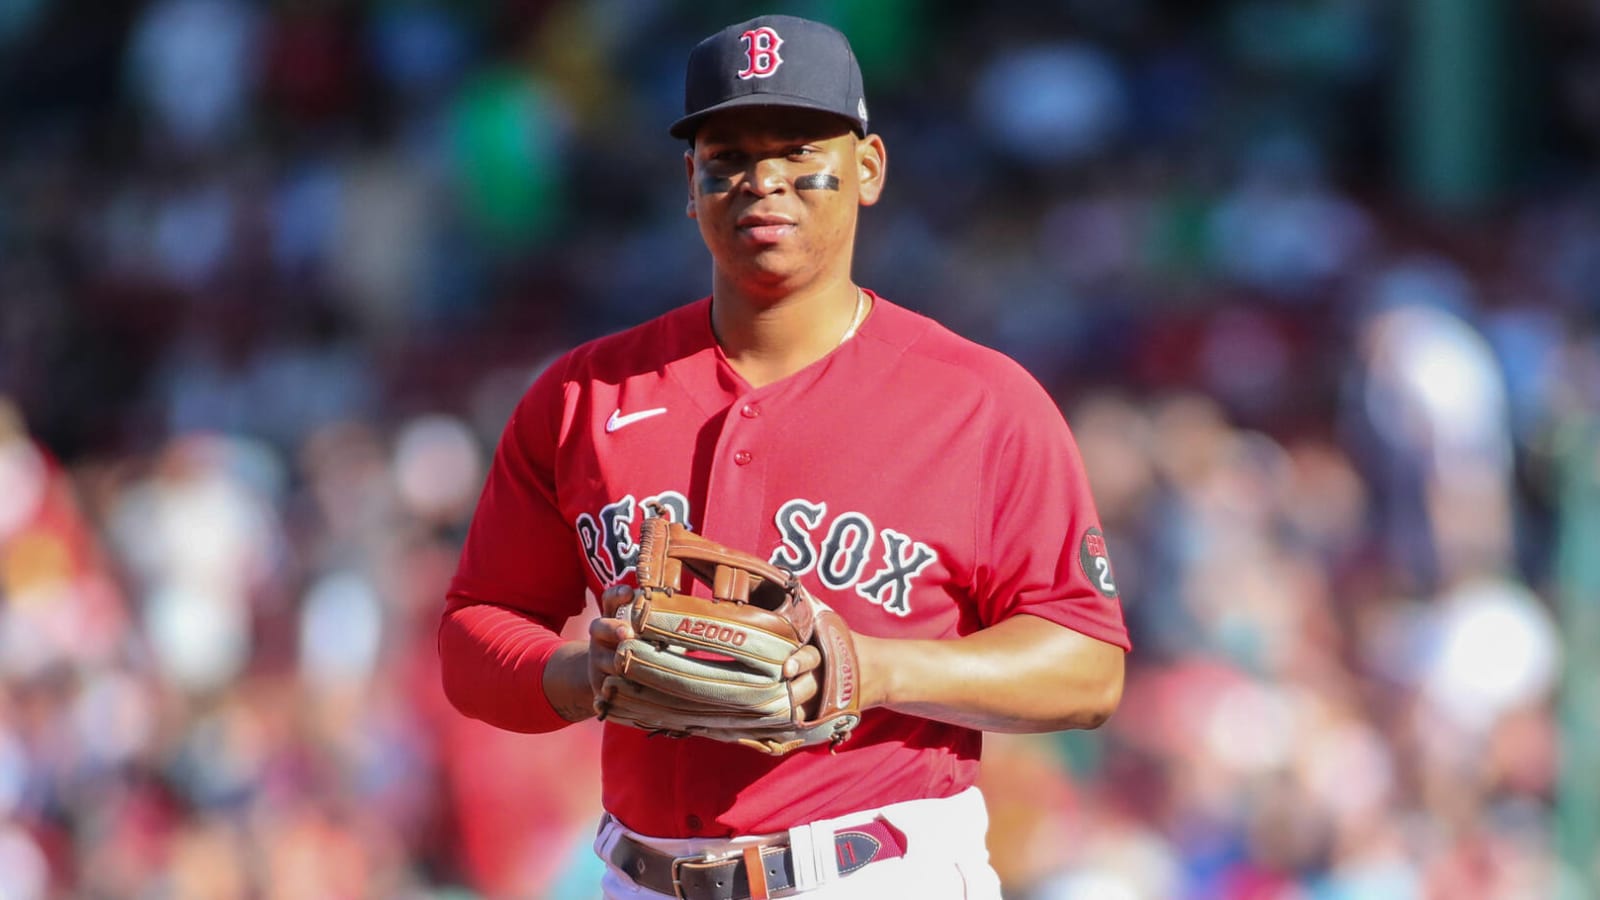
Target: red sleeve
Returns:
[520, 577]
[1038, 528]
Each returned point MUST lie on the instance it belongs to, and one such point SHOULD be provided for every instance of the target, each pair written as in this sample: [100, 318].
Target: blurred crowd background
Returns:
[1316, 282]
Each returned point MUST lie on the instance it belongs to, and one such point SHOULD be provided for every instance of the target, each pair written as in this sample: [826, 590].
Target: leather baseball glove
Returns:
[714, 667]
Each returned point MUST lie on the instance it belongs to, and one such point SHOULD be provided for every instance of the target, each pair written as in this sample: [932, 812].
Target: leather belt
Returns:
[761, 868]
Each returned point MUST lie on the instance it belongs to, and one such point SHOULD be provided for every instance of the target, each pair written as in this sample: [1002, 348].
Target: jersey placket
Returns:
[733, 514]
[736, 488]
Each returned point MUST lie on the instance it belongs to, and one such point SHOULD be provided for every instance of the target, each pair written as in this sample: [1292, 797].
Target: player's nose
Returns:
[766, 176]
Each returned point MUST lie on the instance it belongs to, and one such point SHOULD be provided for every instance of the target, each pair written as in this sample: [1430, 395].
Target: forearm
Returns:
[566, 682]
[1025, 674]
[496, 663]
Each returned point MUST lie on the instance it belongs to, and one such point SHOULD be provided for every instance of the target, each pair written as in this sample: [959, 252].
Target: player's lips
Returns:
[764, 228]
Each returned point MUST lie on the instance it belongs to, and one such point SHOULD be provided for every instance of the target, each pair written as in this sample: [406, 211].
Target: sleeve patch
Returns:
[1097, 563]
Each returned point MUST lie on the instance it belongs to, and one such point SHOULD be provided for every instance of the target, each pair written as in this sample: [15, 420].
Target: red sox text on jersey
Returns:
[840, 550]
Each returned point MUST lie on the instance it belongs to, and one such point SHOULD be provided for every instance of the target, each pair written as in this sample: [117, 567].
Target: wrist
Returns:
[566, 682]
[877, 672]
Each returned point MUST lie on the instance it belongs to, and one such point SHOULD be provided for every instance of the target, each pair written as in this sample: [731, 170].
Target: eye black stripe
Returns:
[715, 184]
[821, 181]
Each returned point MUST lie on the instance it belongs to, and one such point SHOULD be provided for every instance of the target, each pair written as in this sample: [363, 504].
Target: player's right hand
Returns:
[605, 635]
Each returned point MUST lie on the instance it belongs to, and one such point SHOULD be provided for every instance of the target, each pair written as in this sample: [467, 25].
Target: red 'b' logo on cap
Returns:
[761, 49]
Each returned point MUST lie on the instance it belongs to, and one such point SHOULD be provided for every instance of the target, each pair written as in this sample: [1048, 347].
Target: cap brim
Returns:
[685, 127]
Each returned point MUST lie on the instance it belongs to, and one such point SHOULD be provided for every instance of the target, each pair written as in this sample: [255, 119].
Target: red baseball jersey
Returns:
[920, 484]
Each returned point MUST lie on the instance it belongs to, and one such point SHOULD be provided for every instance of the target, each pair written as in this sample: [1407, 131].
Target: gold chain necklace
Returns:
[855, 320]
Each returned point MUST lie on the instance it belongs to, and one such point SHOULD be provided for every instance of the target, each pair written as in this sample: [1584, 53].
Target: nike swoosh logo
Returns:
[618, 420]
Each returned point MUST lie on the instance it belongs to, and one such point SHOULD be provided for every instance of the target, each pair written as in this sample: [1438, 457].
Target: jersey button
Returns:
[692, 822]
[743, 457]
[750, 411]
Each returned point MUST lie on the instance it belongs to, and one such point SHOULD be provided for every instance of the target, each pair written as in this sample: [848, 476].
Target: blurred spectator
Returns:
[201, 540]
[1051, 104]
[1434, 404]
[193, 65]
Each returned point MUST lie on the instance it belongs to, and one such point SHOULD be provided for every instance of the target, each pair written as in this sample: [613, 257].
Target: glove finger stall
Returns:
[634, 702]
[714, 682]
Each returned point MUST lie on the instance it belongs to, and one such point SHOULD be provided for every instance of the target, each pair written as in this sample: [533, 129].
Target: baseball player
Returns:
[924, 488]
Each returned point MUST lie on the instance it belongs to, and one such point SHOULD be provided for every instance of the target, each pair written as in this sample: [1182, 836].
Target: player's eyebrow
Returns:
[800, 135]
[776, 133]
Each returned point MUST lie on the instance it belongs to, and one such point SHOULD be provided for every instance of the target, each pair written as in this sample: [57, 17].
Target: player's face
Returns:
[776, 191]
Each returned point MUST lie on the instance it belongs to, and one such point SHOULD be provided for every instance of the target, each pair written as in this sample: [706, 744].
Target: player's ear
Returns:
[872, 164]
[688, 170]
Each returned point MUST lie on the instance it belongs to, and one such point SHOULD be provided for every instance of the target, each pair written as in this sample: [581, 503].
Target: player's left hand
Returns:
[801, 671]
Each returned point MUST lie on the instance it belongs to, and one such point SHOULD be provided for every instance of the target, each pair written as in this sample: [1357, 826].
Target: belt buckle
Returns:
[678, 863]
[705, 859]
[677, 886]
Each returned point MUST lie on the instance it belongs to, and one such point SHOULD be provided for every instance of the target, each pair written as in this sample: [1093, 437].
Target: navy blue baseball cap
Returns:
[773, 61]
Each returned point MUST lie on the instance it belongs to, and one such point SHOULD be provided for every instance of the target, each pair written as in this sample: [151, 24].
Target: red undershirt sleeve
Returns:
[520, 577]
